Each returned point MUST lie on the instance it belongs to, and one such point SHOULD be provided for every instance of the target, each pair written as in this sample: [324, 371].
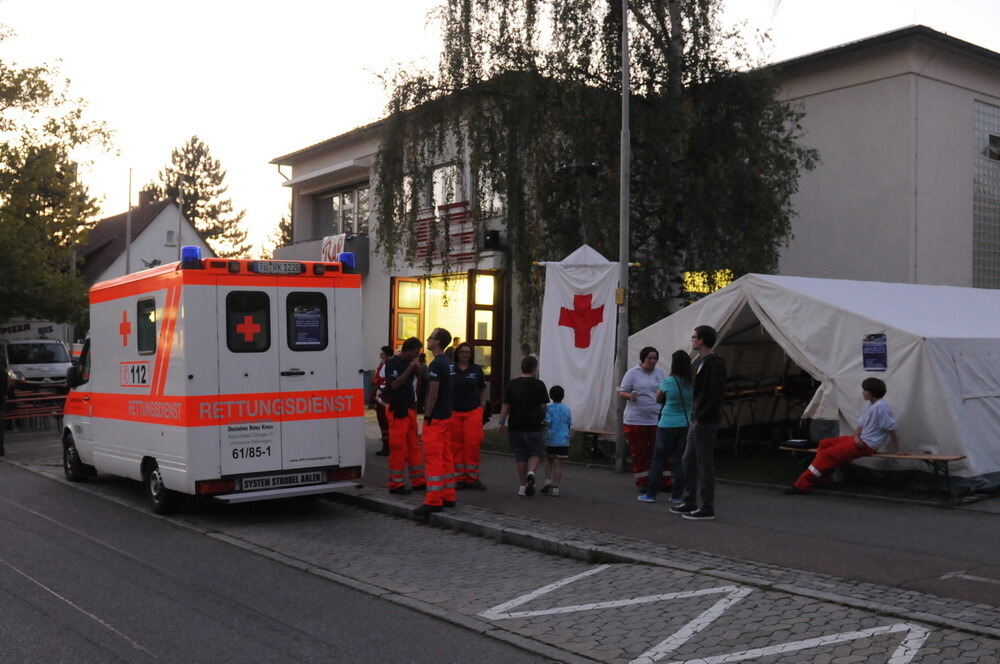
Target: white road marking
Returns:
[970, 577]
[903, 654]
[81, 610]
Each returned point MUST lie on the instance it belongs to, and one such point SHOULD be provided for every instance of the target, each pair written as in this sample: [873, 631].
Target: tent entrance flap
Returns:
[767, 391]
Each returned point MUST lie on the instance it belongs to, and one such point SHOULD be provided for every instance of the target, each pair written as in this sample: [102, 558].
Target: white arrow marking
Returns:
[970, 577]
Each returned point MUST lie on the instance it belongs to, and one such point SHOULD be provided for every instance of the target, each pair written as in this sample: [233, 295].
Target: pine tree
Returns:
[194, 180]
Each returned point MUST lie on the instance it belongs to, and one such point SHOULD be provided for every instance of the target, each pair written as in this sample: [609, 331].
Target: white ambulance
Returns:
[236, 379]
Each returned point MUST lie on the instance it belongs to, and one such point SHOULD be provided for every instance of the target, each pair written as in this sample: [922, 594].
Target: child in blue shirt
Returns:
[558, 419]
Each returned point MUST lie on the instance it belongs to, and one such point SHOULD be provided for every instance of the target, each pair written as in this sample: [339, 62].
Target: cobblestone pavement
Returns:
[604, 599]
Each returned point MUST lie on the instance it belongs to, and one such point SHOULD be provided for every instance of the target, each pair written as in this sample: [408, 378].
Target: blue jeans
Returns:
[670, 442]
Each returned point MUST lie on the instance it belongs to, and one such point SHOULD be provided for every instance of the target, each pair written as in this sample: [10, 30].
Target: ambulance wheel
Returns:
[74, 469]
[160, 498]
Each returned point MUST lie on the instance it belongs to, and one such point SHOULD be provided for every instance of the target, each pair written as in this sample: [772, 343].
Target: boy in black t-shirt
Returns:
[404, 445]
[437, 427]
[524, 402]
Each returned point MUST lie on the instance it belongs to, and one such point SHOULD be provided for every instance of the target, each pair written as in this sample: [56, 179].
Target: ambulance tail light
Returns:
[191, 258]
[340, 474]
[349, 261]
[209, 487]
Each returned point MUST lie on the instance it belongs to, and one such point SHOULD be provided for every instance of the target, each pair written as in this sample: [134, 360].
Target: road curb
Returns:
[594, 552]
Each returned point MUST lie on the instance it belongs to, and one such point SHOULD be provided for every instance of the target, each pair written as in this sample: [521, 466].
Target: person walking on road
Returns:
[875, 426]
[468, 418]
[404, 443]
[699, 453]
[437, 427]
[676, 393]
[524, 403]
[638, 388]
[558, 420]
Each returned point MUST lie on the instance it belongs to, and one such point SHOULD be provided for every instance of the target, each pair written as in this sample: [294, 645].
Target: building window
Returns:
[342, 211]
[986, 198]
[445, 185]
[170, 239]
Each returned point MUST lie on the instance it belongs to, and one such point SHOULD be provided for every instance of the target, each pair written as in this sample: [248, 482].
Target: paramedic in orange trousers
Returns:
[467, 418]
[437, 427]
[404, 445]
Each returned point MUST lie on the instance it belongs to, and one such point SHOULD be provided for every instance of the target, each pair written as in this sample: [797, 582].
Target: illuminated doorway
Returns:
[469, 305]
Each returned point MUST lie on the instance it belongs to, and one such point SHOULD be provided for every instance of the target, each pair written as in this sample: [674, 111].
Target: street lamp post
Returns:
[623, 249]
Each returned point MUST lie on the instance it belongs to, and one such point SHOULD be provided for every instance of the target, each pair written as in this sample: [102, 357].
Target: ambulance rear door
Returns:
[308, 355]
[249, 405]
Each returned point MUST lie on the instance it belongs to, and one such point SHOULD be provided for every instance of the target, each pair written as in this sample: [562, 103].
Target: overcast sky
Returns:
[256, 79]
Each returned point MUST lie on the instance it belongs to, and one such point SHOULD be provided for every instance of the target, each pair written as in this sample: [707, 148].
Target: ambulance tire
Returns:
[159, 497]
[74, 469]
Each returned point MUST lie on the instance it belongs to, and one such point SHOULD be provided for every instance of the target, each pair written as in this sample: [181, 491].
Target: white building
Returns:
[908, 190]
[907, 125]
[159, 230]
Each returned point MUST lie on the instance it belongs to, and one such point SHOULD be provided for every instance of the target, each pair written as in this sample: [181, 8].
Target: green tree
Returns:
[44, 205]
[282, 234]
[194, 180]
[715, 156]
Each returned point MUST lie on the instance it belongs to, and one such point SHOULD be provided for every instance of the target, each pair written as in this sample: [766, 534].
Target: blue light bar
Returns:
[191, 257]
[348, 261]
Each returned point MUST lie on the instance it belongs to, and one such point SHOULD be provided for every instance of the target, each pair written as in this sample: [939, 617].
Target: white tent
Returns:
[941, 349]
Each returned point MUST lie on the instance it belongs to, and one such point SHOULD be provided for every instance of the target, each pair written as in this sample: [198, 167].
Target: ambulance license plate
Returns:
[280, 481]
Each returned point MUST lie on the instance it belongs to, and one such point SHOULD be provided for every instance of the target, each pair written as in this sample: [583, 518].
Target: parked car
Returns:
[35, 363]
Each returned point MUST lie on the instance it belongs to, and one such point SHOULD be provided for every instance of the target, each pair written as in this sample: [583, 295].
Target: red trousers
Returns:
[466, 439]
[641, 443]
[832, 453]
[440, 466]
[404, 450]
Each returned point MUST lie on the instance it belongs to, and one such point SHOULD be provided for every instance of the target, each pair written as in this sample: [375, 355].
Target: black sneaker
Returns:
[449, 503]
[529, 488]
[425, 511]
[683, 508]
[400, 491]
[700, 515]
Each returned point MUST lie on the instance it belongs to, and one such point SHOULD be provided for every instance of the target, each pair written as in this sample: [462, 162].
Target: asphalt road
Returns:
[85, 579]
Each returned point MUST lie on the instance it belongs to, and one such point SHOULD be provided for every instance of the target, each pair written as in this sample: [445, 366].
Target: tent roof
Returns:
[926, 311]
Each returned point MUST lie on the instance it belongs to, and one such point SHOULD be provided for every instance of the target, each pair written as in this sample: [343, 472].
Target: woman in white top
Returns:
[642, 413]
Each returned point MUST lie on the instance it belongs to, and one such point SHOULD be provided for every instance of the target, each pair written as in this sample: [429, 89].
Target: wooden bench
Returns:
[938, 463]
[597, 440]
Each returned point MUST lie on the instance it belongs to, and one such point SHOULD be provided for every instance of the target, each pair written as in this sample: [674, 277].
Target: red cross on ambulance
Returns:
[248, 328]
[124, 328]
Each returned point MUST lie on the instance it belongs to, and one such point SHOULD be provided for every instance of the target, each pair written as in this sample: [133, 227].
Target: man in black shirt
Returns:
[524, 402]
[437, 427]
[404, 444]
[699, 454]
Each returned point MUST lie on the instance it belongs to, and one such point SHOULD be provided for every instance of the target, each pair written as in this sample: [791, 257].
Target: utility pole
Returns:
[128, 227]
[621, 297]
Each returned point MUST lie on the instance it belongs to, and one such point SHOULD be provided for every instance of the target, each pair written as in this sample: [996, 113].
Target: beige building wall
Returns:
[891, 199]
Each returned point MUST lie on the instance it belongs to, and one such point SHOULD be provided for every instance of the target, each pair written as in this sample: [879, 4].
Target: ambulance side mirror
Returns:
[73, 376]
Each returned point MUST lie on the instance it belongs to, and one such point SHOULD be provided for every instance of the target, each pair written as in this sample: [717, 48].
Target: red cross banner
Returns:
[578, 334]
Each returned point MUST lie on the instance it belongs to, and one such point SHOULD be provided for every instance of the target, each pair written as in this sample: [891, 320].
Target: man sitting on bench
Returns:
[875, 426]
